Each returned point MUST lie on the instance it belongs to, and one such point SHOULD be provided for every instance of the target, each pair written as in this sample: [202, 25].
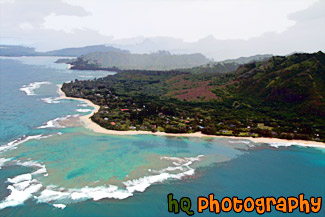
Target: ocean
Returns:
[50, 165]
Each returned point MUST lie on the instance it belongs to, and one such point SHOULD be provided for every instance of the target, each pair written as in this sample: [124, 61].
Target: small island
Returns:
[281, 97]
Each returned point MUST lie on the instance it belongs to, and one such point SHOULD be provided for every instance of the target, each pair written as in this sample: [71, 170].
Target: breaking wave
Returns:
[83, 110]
[55, 122]
[288, 144]
[239, 142]
[86, 76]
[13, 144]
[3, 161]
[26, 186]
[29, 89]
[52, 100]
[83, 105]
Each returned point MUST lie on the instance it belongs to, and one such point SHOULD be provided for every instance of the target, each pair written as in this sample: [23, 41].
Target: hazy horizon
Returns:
[217, 29]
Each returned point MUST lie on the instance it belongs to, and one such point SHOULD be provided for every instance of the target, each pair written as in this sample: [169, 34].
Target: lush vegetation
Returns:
[280, 97]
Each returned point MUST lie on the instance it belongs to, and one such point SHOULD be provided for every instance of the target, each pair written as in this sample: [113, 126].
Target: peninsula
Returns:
[281, 97]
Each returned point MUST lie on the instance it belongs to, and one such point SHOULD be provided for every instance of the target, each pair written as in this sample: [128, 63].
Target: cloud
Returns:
[187, 19]
[314, 12]
[236, 27]
[306, 35]
[14, 13]
[21, 22]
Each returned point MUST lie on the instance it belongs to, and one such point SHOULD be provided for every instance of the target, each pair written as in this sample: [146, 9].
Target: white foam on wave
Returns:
[3, 161]
[13, 144]
[21, 189]
[86, 76]
[239, 141]
[143, 183]
[53, 194]
[20, 178]
[57, 195]
[51, 100]
[98, 193]
[41, 169]
[60, 206]
[83, 110]
[288, 144]
[29, 89]
[83, 105]
[182, 164]
[51, 124]
[24, 187]
[55, 122]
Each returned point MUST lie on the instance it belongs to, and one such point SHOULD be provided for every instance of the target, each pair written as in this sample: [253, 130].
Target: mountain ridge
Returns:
[160, 60]
[18, 50]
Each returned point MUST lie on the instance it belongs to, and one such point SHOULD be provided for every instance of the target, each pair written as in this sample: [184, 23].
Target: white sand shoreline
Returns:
[88, 123]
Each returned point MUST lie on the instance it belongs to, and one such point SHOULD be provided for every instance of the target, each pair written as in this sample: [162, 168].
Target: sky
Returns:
[54, 24]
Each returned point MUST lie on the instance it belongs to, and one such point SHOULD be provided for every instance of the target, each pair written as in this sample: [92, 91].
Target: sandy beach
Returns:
[87, 122]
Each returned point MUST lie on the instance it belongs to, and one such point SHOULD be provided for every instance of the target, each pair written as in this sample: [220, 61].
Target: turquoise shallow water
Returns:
[101, 175]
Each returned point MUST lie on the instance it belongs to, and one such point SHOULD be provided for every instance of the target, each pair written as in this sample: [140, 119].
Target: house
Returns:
[122, 110]
[113, 123]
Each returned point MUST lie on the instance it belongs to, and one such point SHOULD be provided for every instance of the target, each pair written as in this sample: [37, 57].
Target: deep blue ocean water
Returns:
[101, 175]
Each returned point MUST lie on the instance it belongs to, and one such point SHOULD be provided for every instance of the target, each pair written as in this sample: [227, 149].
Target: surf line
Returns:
[260, 205]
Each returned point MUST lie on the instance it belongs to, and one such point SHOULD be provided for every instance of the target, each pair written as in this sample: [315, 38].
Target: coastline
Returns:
[88, 123]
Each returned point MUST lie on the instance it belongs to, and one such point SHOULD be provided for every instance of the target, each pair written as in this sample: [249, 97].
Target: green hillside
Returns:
[297, 80]
[281, 97]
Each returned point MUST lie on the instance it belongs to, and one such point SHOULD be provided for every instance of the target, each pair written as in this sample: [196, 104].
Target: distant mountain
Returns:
[161, 60]
[75, 52]
[244, 60]
[227, 65]
[16, 50]
[220, 50]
